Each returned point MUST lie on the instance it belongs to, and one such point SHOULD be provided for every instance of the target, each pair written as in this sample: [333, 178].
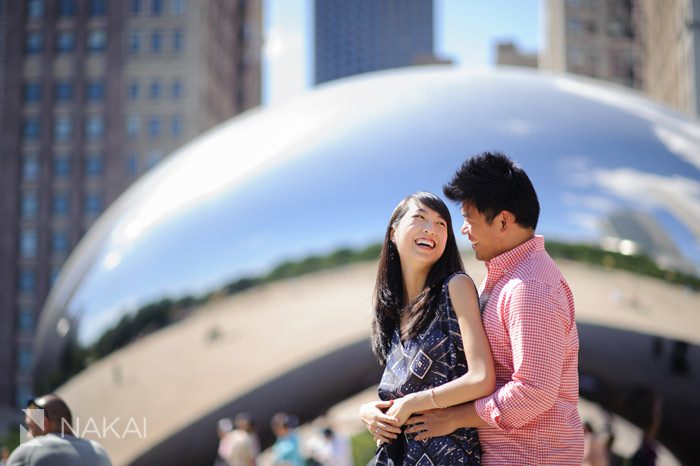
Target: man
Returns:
[244, 446]
[528, 313]
[53, 442]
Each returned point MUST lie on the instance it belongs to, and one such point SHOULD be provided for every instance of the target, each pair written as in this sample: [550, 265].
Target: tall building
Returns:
[593, 38]
[353, 37]
[508, 54]
[670, 40]
[95, 93]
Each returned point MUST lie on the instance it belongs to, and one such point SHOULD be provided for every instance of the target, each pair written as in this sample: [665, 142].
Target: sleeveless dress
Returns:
[433, 358]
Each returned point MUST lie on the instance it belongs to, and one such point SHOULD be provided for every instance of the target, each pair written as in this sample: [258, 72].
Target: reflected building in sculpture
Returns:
[322, 172]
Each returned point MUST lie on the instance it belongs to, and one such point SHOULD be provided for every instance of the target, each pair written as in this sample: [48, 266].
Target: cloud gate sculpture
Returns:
[323, 172]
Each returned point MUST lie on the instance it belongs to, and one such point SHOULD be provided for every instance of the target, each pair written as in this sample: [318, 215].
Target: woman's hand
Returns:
[401, 409]
[380, 425]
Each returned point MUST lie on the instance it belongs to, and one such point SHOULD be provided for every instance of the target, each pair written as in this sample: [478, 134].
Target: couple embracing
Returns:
[474, 377]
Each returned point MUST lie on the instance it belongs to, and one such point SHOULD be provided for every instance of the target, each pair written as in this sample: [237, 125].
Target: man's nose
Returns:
[465, 228]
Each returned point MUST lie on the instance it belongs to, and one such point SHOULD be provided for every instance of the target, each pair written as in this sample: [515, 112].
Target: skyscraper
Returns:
[670, 41]
[592, 38]
[367, 35]
[94, 93]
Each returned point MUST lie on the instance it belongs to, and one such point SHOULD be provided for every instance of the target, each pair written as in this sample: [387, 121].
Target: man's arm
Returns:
[539, 322]
[438, 422]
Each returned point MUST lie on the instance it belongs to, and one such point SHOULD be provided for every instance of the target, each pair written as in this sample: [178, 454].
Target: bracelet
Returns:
[432, 399]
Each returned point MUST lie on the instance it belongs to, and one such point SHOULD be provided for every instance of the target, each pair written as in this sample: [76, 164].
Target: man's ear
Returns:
[505, 220]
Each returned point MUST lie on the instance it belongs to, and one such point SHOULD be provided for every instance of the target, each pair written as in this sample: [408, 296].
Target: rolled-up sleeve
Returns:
[538, 324]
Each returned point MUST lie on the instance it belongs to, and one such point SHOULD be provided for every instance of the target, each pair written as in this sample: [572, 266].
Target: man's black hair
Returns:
[492, 183]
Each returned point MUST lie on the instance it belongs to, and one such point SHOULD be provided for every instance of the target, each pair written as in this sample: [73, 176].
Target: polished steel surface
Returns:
[325, 170]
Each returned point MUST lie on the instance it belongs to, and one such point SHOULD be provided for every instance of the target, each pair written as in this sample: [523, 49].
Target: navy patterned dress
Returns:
[433, 358]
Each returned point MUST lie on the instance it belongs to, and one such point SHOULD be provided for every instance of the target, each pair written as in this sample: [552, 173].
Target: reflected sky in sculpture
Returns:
[325, 171]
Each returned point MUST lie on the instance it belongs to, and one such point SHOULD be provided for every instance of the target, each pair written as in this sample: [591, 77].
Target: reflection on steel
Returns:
[324, 171]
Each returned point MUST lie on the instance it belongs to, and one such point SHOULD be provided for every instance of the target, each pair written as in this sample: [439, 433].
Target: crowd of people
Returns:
[239, 444]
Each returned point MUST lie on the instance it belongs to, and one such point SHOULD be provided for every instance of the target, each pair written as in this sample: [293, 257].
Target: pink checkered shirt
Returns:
[528, 313]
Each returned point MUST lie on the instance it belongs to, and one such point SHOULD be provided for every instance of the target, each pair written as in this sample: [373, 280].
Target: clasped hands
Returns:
[384, 420]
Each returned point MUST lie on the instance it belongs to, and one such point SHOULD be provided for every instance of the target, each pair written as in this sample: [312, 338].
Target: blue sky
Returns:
[465, 31]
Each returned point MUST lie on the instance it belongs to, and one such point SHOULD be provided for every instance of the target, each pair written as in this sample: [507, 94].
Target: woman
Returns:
[427, 332]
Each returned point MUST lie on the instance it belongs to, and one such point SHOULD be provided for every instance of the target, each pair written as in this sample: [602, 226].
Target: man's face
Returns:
[483, 235]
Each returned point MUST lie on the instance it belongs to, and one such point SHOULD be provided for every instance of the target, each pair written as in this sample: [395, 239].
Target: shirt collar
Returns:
[509, 259]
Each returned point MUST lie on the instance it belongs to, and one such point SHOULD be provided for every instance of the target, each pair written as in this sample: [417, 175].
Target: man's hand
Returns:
[433, 423]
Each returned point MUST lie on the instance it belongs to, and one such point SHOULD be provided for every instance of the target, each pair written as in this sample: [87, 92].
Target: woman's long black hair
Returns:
[388, 291]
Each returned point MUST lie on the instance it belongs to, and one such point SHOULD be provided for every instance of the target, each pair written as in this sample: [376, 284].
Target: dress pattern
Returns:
[433, 358]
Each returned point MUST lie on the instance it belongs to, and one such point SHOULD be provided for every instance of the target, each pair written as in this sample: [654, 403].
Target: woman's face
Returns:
[420, 236]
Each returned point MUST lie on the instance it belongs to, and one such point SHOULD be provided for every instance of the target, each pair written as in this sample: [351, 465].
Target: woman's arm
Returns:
[479, 381]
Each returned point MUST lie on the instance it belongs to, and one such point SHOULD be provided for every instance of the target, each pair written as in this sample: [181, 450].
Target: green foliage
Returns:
[641, 265]
[10, 439]
[363, 448]
[160, 314]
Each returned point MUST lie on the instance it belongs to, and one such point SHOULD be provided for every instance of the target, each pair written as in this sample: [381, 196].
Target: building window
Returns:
[29, 205]
[62, 128]
[65, 41]
[35, 9]
[133, 126]
[64, 91]
[154, 127]
[132, 164]
[32, 92]
[97, 7]
[156, 7]
[156, 42]
[28, 243]
[177, 40]
[176, 126]
[97, 40]
[31, 129]
[95, 91]
[94, 127]
[24, 359]
[66, 8]
[178, 6]
[134, 42]
[93, 204]
[25, 320]
[155, 89]
[30, 168]
[60, 204]
[35, 42]
[176, 89]
[134, 90]
[152, 159]
[135, 7]
[93, 165]
[27, 280]
[59, 243]
[61, 167]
